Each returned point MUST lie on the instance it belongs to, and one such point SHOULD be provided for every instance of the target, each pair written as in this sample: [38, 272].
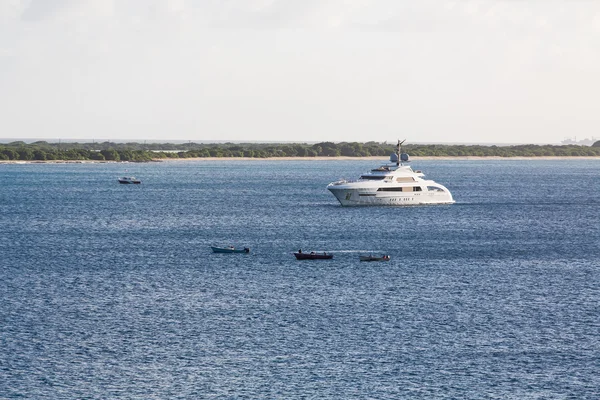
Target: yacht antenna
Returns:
[399, 151]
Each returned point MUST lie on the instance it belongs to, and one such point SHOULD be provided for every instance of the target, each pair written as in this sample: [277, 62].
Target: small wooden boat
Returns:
[313, 256]
[129, 180]
[229, 249]
[374, 258]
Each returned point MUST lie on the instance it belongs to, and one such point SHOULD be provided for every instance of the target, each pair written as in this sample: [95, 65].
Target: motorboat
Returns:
[129, 180]
[393, 184]
[312, 256]
[229, 249]
[374, 258]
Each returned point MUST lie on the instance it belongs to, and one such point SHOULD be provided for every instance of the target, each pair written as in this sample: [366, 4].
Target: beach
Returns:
[375, 158]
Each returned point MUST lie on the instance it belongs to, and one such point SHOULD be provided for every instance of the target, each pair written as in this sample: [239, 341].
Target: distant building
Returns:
[583, 142]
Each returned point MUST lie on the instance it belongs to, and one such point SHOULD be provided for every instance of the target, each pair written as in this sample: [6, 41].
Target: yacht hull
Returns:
[351, 197]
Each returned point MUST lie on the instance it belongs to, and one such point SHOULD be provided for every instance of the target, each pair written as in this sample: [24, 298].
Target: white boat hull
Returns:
[349, 197]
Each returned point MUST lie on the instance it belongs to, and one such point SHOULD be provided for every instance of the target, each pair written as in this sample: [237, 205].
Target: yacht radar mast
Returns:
[399, 152]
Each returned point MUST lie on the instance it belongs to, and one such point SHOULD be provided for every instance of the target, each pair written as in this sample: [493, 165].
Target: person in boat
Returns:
[299, 251]
[312, 252]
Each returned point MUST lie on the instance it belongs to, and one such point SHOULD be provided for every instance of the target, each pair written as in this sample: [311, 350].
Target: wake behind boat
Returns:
[392, 184]
[229, 249]
[374, 258]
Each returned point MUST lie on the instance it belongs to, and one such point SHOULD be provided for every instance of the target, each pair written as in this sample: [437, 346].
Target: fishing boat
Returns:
[229, 249]
[129, 180]
[374, 258]
[312, 256]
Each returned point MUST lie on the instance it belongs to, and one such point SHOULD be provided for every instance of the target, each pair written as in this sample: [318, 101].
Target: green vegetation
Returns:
[140, 152]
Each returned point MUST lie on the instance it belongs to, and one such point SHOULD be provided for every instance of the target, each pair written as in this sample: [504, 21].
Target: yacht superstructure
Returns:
[393, 184]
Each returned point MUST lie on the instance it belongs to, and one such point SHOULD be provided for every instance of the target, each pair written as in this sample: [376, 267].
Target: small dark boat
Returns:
[313, 256]
[374, 258]
[229, 249]
[129, 180]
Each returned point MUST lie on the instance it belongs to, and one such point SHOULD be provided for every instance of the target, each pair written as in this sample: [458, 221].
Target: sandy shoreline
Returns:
[373, 158]
[378, 158]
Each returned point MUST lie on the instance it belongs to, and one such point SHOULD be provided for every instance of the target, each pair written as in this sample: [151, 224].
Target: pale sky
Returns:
[300, 70]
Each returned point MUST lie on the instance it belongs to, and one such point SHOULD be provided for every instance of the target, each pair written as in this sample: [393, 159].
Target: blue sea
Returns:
[111, 291]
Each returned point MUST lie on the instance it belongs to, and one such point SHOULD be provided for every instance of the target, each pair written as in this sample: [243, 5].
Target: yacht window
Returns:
[372, 177]
[404, 179]
[434, 189]
[417, 189]
[395, 189]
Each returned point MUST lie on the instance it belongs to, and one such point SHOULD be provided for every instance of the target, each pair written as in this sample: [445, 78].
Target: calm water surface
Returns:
[110, 291]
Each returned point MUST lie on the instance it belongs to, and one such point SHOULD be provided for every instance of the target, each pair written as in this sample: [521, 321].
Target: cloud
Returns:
[329, 65]
[12, 9]
[40, 9]
[65, 10]
[365, 15]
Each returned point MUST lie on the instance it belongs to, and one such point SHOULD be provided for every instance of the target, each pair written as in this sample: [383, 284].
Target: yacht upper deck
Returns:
[391, 170]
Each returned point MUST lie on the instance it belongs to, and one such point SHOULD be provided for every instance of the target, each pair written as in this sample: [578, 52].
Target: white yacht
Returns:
[393, 184]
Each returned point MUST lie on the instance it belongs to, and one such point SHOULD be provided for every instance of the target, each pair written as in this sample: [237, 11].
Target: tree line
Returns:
[142, 152]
